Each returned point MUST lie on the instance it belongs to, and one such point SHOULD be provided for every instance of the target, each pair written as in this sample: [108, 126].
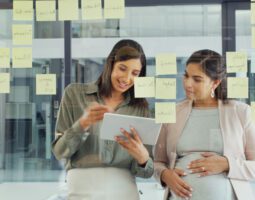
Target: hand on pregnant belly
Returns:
[210, 164]
[172, 178]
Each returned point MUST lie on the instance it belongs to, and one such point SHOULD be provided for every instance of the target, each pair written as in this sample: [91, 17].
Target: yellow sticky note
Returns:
[253, 37]
[45, 84]
[4, 83]
[22, 57]
[23, 10]
[238, 87]
[253, 111]
[4, 57]
[45, 10]
[166, 64]
[114, 9]
[252, 13]
[165, 112]
[91, 9]
[236, 62]
[68, 10]
[165, 88]
[144, 87]
[22, 34]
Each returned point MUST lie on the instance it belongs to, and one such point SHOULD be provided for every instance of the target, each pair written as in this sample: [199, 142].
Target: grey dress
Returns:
[202, 134]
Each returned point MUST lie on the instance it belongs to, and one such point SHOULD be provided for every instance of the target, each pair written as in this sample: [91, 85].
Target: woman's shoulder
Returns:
[237, 104]
[183, 104]
[81, 87]
[241, 108]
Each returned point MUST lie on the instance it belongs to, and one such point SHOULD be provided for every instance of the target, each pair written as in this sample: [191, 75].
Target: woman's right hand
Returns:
[172, 178]
[93, 114]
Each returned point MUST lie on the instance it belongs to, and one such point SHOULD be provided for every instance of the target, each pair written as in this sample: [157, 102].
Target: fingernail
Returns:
[188, 166]
[131, 127]
[190, 171]
[184, 174]
[190, 195]
[121, 129]
[191, 189]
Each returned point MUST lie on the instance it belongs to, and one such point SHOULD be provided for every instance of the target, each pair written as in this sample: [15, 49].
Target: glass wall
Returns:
[27, 120]
[177, 29]
[243, 43]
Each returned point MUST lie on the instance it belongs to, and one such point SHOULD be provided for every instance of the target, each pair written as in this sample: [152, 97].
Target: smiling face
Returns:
[197, 84]
[123, 74]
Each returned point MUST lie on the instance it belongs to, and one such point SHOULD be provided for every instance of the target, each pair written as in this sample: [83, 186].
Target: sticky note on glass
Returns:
[236, 62]
[4, 57]
[252, 13]
[165, 112]
[114, 9]
[22, 34]
[91, 9]
[23, 10]
[68, 10]
[238, 87]
[166, 64]
[22, 57]
[45, 84]
[253, 37]
[4, 83]
[165, 88]
[144, 87]
[45, 10]
[253, 111]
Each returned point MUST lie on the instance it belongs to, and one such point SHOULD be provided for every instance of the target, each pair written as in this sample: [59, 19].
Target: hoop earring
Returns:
[212, 94]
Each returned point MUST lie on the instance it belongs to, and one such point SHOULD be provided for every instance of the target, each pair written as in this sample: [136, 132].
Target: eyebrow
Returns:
[127, 67]
[194, 76]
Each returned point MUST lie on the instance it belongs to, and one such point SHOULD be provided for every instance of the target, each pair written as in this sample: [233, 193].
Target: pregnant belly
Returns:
[207, 188]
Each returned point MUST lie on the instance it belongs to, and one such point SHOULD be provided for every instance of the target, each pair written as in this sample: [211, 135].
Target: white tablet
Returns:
[147, 129]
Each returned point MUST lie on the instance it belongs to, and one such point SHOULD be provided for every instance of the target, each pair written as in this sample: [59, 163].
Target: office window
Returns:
[178, 29]
[28, 120]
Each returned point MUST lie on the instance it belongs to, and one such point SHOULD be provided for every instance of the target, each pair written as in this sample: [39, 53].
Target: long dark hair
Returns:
[122, 51]
[214, 67]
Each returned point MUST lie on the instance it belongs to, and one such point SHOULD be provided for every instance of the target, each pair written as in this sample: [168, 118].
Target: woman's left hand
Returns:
[133, 145]
[209, 165]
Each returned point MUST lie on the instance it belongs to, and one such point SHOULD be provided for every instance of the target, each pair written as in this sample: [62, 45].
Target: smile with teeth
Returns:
[123, 85]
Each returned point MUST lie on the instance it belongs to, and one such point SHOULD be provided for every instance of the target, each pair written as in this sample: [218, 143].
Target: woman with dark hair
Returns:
[211, 147]
[102, 169]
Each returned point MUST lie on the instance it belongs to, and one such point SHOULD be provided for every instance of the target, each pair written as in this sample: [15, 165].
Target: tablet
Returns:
[147, 128]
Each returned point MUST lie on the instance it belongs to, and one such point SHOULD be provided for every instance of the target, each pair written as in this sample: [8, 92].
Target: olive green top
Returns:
[83, 148]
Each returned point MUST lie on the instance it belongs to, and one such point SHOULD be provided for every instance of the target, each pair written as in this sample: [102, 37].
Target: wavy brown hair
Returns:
[122, 51]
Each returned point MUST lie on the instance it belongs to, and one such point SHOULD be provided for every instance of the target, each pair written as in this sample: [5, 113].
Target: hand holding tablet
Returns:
[147, 129]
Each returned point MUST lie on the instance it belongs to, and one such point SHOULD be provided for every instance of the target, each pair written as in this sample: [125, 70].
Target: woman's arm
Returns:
[143, 171]
[69, 133]
[169, 177]
[142, 164]
[239, 168]
[160, 155]
[73, 132]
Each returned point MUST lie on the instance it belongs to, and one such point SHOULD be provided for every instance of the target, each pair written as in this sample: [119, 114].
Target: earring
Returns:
[212, 94]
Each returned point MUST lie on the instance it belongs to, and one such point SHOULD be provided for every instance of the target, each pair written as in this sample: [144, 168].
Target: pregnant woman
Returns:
[211, 147]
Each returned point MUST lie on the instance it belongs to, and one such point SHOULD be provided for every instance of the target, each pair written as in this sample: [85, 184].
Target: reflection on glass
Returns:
[160, 21]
